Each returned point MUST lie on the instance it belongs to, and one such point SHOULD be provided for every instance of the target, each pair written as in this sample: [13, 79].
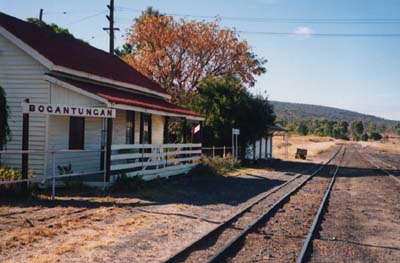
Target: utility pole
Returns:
[41, 17]
[111, 27]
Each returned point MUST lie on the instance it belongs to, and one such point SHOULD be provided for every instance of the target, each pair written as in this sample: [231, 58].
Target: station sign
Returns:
[68, 110]
[235, 131]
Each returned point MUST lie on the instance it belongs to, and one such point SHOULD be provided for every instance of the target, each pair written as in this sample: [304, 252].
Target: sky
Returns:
[306, 66]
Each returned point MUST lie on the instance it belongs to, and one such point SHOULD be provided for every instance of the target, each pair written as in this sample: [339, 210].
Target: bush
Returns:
[13, 190]
[215, 166]
[125, 183]
[364, 137]
[375, 136]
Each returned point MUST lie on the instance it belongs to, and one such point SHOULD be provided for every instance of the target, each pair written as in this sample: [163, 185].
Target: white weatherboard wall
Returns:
[157, 136]
[58, 133]
[266, 149]
[22, 77]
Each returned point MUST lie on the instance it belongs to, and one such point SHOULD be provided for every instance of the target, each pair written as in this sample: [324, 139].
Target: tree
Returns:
[375, 136]
[178, 54]
[4, 112]
[54, 27]
[356, 129]
[364, 137]
[126, 50]
[397, 128]
[226, 105]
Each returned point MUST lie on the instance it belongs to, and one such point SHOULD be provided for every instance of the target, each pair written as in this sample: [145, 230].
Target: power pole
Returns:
[111, 27]
[41, 16]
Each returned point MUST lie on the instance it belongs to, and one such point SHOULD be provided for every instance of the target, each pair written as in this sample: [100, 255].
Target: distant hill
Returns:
[297, 111]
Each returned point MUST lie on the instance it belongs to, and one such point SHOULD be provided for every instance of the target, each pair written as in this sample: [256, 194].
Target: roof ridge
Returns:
[76, 55]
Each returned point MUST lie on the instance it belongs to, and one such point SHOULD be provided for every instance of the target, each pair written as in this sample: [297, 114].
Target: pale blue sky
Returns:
[360, 74]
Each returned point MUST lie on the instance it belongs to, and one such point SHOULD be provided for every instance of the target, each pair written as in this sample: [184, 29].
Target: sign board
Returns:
[196, 129]
[235, 131]
[68, 110]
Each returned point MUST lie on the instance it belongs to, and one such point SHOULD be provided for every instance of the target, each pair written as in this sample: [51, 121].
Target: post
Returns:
[53, 184]
[165, 139]
[233, 146]
[213, 151]
[25, 146]
[184, 128]
[41, 17]
[224, 151]
[201, 132]
[111, 27]
[108, 148]
[237, 147]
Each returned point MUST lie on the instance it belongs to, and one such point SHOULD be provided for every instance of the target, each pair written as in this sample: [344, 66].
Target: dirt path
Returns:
[145, 226]
[362, 222]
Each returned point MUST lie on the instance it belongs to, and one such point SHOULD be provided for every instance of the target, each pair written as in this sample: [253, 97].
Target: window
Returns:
[145, 128]
[76, 133]
[130, 127]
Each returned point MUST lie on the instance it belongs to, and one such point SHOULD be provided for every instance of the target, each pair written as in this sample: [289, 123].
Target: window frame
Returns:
[74, 143]
[130, 131]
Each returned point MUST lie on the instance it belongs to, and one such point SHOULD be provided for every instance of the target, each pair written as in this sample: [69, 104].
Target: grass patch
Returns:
[215, 166]
[125, 183]
[15, 189]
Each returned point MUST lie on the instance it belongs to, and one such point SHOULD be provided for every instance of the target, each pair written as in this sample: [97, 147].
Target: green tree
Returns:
[397, 128]
[226, 105]
[4, 112]
[375, 136]
[54, 27]
[356, 129]
[364, 137]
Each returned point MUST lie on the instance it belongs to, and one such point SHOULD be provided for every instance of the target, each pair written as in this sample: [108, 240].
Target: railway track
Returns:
[374, 162]
[219, 244]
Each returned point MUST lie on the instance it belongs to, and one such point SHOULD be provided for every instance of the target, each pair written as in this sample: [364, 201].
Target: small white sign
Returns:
[235, 131]
[68, 110]
[196, 128]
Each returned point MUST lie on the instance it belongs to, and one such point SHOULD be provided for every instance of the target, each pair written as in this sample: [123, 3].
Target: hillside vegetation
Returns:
[307, 119]
[292, 112]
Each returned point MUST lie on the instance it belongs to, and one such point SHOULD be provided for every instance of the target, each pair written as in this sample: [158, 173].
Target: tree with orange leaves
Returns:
[179, 53]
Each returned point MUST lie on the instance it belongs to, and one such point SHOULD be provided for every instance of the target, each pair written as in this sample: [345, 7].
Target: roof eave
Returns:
[52, 67]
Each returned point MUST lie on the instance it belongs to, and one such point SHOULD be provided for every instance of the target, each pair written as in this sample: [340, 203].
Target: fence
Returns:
[147, 160]
[213, 151]
[53, 163]
[152, 160]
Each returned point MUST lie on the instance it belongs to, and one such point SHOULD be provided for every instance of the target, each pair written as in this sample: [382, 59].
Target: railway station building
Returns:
[87, 112]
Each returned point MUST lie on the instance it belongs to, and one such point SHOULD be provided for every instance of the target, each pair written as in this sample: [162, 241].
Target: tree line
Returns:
[355, 130]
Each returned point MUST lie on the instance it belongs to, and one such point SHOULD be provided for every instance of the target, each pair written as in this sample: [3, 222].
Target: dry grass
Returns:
[313, 144]
[390, 146]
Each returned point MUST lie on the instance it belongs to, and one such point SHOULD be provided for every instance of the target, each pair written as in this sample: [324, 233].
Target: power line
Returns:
[320, 34]
[284, 20]
[85, 18]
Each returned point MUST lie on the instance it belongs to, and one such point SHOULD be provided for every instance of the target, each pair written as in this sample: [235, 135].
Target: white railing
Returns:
[154, 160]
[52, 159]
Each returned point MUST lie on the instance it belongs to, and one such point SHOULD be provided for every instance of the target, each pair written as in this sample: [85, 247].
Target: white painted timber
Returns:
[21, 77]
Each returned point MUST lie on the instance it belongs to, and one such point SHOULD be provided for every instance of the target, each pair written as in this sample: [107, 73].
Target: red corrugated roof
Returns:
[128, 98]
[74, 54]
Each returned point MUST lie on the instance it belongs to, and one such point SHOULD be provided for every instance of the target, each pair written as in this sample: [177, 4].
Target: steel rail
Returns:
[397, 179]
[217, 257]
[307, 243]
[186, 251]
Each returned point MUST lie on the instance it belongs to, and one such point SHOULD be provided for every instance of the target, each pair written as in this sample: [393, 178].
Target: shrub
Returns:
[364, 137]
[375, 136]
[215, 166]
[13, 190]
[125, 183]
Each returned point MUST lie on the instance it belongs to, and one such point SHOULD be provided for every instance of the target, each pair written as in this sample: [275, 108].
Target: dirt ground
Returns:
[362, 222]
[163, 216]
[315, 145]
[148, 225]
